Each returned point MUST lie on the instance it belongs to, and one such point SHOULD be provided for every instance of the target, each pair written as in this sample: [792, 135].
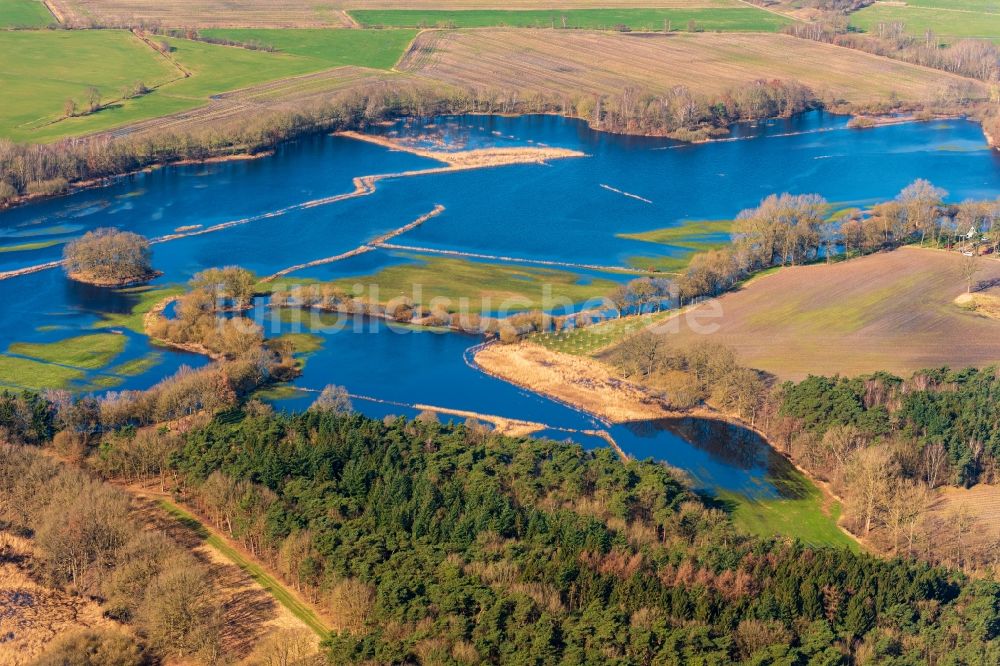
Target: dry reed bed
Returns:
[892, 311]
[575, 62]
[201, 13]
[581, 381]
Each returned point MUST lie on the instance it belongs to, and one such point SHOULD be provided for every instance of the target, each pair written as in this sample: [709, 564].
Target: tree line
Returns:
[975, 58]
[795, 229]
[46, 169]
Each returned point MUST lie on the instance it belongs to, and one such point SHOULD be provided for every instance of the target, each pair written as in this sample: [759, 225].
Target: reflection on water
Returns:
[103, 300]
[715, 454]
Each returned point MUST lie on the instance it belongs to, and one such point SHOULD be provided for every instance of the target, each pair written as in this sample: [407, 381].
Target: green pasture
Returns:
[486, 286]
[591, 339]
[27, 247]
[742, 19]
[41, 70]
[24, 14]
[59, 364]
[83, 351]
[686, 239]
[146, 298]
[804, 516]
[379, 49]
[949, 21]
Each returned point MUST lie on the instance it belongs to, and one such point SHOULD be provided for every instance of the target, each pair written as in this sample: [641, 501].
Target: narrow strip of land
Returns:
[625, 194]
[508, 259]
[364, 185]
[254, 569]
[361, 249]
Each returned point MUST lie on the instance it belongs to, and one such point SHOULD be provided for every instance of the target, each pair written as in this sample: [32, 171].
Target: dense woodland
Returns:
[884, 443]
[435, 544]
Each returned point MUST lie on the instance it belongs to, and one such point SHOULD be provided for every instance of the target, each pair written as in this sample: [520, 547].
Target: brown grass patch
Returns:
[580, 381]
[201, 13]
[981, 502]
[32, 615]
[892, 311]
[580, 62]
[985, 303]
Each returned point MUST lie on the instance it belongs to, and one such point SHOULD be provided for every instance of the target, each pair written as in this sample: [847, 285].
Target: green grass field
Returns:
[802, 518]
[711, 19]
[53, 66]
[37, 375]
[27, 247]
[592, 339]
[83, 351]
[949, 20]
[24, 14]
[41, 69]
[331, 48]
[685, 239]
[487, 286]
[271, 585]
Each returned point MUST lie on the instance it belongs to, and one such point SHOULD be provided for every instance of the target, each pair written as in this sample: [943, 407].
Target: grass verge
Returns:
[281, 594]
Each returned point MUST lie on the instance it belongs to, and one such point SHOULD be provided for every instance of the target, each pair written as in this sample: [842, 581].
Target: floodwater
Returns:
[568, 211]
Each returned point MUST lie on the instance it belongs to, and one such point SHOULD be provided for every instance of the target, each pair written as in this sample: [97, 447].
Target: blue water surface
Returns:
[567, 210]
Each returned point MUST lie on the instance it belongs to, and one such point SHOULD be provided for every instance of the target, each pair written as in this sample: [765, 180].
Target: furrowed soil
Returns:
[893, 311]
[200, 13]
[576, 62]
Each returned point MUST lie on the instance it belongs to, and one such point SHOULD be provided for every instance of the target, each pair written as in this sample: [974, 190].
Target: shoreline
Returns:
[555, 375]
[105, 181]
[113, 284]
[680, 137]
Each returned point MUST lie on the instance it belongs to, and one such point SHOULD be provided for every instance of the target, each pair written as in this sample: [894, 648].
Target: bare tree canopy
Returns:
[109, 257]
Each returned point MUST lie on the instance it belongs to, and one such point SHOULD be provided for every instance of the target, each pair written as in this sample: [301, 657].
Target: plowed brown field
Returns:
[202, 13]
[572, 62]
[537, 4]
[892, 311]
